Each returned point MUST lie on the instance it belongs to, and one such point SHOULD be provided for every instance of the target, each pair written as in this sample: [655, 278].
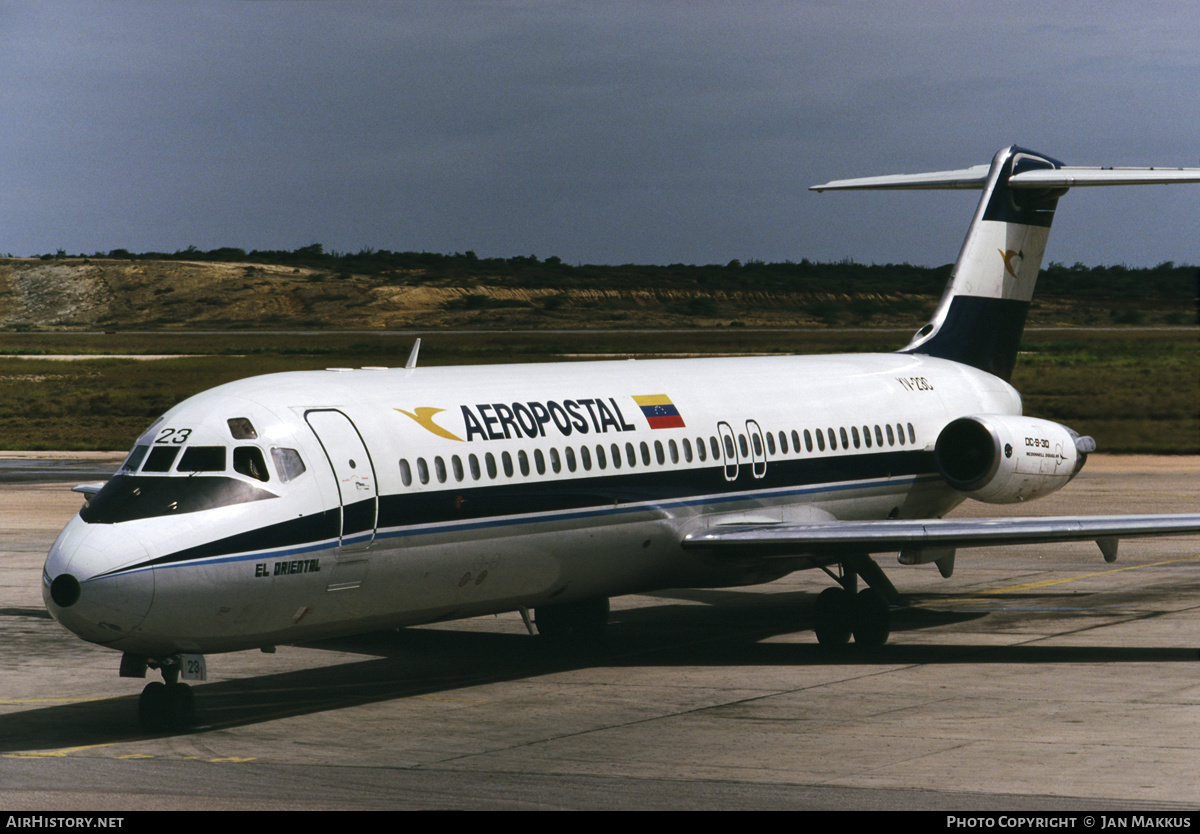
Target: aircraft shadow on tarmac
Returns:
[732, 630]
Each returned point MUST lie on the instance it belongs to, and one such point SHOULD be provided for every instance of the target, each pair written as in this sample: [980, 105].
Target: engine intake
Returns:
[1002, 459]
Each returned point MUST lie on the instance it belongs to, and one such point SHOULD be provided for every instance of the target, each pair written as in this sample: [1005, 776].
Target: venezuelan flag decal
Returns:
[659, 411]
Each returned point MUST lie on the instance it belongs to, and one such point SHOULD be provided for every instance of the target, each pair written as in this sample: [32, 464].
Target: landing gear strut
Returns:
[843, 611]
[583, 621]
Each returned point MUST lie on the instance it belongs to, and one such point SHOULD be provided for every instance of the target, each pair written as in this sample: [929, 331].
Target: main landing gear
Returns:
[845, 611]
[582, 622]
[166, 704]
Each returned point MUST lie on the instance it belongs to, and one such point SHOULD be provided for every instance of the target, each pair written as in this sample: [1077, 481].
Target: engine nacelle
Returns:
[1002, 459]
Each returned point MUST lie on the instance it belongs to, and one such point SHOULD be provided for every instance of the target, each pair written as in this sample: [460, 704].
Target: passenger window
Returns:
[912, 435]
[161, 458]
[658, 452]
[570, 453]
[742, 443]
[473, 463]
[807, 441]
[439, 468]
[616, 456]
[585, 457]
[820, 440]
[523, 461]
[645, 453]
[489, 460]
[601, 458]
[771, 442]
[555, 463]
[757, 442]
[891, 435]
[687, 450]
[729, 450]
[900, 432]
[878, 436]
[289, 465]
[701, 450]
[845, 439]
[202, 459]
[241, 428]
[630, 454]
[405, 472]
[423, 470]
[716, 448]
[539, 461]
[249, 461]
[506, 459]
[456, 467]
[832, 438]
[854, 435]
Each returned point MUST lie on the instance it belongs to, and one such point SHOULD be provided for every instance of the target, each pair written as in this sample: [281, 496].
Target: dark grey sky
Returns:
[601, 132]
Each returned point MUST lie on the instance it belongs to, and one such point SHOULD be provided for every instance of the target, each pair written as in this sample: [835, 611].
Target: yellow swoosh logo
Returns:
[424, 419]
[1008, 261]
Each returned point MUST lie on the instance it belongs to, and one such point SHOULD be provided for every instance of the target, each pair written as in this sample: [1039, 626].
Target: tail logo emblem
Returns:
[424, 419]
[1011, 260]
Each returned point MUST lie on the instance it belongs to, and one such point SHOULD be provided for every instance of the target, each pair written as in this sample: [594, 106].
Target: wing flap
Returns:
[886, 536]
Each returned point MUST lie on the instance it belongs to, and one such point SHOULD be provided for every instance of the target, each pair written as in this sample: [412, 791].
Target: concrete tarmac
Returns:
[1036, 678]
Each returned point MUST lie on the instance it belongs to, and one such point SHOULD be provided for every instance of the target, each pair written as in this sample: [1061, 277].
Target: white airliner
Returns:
[298, 506]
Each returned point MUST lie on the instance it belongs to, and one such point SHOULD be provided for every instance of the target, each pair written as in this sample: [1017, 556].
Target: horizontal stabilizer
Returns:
[831, 537]
[976, 178]
[1068, 177]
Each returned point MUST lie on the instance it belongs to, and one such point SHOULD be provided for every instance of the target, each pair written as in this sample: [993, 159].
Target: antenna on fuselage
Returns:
[412, 357]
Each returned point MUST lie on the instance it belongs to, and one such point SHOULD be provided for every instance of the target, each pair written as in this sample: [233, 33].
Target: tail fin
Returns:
[982, 312]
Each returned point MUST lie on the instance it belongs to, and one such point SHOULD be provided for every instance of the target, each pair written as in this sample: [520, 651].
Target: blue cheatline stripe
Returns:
[639, 508]
[513, 504]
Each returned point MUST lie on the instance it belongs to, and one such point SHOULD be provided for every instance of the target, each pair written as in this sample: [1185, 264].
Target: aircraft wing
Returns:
[936, 536]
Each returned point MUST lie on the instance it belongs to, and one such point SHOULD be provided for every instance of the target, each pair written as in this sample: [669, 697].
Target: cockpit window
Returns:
[248, 460]
[203, 459]
[135, 458]
[242, 429]
[161, 458]
[287, 463]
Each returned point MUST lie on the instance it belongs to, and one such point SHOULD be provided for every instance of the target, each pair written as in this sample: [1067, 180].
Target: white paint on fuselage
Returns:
[426, 570]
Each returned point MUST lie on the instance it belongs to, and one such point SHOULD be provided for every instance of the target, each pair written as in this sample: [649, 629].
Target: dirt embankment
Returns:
[101, 293]
[122, 294]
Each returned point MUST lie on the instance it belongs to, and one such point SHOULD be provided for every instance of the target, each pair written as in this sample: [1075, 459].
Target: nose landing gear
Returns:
[166, 704]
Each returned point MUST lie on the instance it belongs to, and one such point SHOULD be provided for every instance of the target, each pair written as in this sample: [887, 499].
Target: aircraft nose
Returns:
[92, 584]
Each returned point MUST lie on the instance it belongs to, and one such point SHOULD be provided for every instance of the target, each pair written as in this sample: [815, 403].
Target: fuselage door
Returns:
[355, 474]
[758, 449]
[728, 450]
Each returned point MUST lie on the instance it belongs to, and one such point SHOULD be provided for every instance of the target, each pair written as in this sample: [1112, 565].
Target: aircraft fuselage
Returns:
[439, 493]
